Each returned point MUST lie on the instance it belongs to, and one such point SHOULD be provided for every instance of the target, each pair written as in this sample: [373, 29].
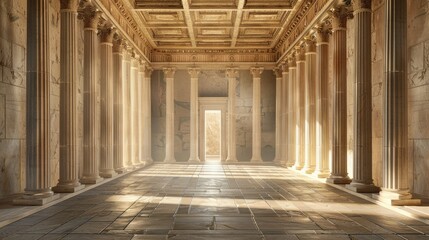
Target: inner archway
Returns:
[213, 135]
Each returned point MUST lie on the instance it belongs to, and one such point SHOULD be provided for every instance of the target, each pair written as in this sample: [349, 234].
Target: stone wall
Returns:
[213, 83]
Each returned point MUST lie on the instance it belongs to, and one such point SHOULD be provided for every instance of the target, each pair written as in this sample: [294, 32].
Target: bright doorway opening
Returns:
[213, 135]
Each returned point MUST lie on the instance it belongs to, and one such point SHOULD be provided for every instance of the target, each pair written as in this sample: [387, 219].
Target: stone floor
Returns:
[215, 202]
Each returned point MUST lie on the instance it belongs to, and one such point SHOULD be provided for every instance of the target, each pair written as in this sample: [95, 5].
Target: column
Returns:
[194, 72]
[310, 106]
[292, 128]
[232, 74]
[147, 117]
[322, 104]
[339, 119]
[107, 104]
[91, 159]
[285, 115]
[69, 180]
[141, 105]
[169, 116]
[362, 119]
[256, 115]
[300, 108]
[395, 188]
[126, 101]
[279, 78]
[118, 159]
[38, 189]
[134, 135]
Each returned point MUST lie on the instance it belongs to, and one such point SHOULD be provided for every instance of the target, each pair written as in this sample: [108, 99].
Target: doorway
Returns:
[213, 135]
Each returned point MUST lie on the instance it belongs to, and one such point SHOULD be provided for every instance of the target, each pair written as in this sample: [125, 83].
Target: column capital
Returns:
[142, 66]
[70, 5]
[321, 34]
[90, 16]
[232, 72]
[285, 67]
[169, 72]
[256, 71]
[359, 5]
[310, 46]
[118, 45]
[106, 33]
[148, 71]
[291, 61]
[278, 72]
[339, 18]
[194, 72]
[299, 53]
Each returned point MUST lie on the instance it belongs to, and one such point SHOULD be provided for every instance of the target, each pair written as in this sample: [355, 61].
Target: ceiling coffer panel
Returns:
[151, 4]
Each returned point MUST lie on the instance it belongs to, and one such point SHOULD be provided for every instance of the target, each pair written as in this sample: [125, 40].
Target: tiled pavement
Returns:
[237, 202]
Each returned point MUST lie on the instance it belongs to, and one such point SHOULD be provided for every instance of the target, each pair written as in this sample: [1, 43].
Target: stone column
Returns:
[310, 106]
[118, 159]
[322, 104]
[286, 140]
[141, 106]
[256, 115]
[194, 72]
[362, 119]
[279, 95]
[395, 190]
[91, 156]
[300, 108]
[126, 101]
[232, 74]
[147, 117]
[169, 116]
[69, 180]
[134, 136]
[339, 119]
[292, 106]
[38, 182]
[107, 105]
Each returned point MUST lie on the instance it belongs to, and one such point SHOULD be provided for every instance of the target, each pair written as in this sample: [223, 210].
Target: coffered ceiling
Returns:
[177, 24]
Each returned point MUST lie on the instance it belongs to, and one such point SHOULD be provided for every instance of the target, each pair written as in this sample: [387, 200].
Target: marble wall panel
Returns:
[10, 167]
[182, 114]
[2, 116]
[212, 83]
[421, 166]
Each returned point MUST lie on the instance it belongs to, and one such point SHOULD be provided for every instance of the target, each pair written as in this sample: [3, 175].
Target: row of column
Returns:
[305, 125]
[123, 130]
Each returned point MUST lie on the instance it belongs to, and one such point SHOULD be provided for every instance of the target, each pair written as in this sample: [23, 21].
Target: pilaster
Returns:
[169, 128]
[278, 129]
[300, 108]
[256, 115]
[194, 72]
[232, 74]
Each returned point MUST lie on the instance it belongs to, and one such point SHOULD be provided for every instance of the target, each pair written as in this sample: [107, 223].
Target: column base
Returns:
[91, 180]
[35, 200]
[130, 168]
[149, 161]
[170, 161]
[196, 160]
[397, 198]
[308, 170]
[138, 165]
[256, 160]
[363, 188]
[68, 188]
[321, 174]
[230, 160]
[120, 170]
[296, 167]
[108, 174]
[338, 180]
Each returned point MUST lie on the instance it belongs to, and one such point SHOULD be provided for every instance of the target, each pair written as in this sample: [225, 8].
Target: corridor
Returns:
[213, 201]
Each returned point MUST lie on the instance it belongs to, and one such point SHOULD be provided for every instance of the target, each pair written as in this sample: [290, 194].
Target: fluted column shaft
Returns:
[279, 95]
[395, 188]
[310, 106]
[134, 111]
[90, 124]
[293, 150]
[322, 104]
[37, 188]
[107, 104]
[147, 119]
[118, 160]
[256, 115]
[362, 120]
[194, 72]
[339, 119]
[141, 107]
[232, 75]
[126, 101]
[169, 125]
[300, 108]
[286, 144]
[69, 179]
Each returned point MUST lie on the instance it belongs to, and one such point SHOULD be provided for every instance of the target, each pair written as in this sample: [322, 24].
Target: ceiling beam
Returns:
[237, 23]
[188, 18]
